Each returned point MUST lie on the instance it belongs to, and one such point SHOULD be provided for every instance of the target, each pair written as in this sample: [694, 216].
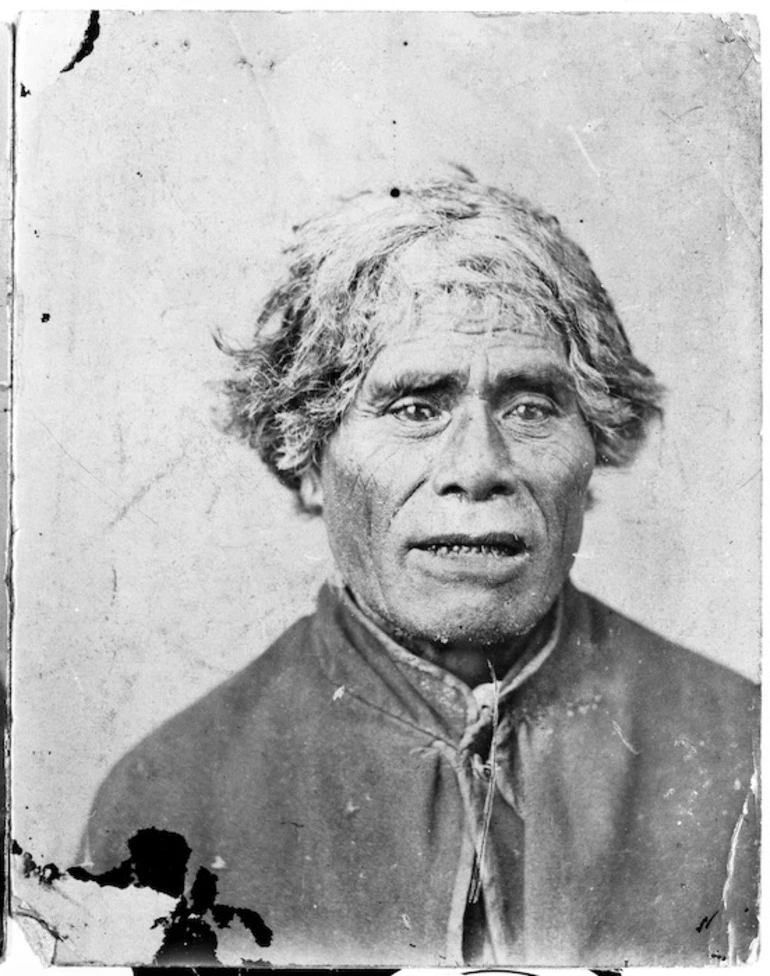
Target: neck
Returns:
[474, 665]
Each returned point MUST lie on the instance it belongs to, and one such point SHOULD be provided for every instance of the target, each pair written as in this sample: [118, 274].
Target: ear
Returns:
[311, 491]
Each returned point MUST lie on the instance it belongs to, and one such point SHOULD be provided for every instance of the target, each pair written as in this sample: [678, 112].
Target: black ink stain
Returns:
[188, 936]
[45, 317]
[706, 921]
[24, 90]
[185, 44]
[158, 859]
[395, 192]
[45, 874]
[87, 44]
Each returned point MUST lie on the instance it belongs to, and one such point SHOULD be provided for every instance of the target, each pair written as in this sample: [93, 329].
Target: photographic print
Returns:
[386, 457]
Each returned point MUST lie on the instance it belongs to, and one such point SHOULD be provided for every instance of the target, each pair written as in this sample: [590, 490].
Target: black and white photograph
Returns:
[386, 471]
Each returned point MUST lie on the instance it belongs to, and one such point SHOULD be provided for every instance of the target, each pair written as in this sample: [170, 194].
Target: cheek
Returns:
[352, 508]
[371, 481]
[565, 471]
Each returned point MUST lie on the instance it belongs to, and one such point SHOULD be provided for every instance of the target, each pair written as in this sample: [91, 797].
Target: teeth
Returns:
[485, 550]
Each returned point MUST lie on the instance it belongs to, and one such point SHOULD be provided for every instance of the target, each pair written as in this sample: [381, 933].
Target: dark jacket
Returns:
[340, 793]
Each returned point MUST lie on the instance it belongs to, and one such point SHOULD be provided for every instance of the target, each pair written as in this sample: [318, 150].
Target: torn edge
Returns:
[737, 954]
[167, 911]
[43, 938]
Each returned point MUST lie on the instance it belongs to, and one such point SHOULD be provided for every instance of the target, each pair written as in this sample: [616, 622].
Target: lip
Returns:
[507, 543]
[487, 558]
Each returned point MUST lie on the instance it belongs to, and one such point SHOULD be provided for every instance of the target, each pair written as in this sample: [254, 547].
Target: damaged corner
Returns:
[42, 937]
[92, 32]
[170, 912]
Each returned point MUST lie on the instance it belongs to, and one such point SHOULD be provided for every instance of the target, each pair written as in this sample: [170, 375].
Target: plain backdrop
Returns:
[158, 180]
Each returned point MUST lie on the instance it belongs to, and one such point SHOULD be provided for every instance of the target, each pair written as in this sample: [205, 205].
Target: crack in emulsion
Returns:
[92, 31]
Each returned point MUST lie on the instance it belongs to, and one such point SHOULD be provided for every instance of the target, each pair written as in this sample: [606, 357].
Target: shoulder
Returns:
[164, 781]
[611, 628]
[666, 677]
[280, 670]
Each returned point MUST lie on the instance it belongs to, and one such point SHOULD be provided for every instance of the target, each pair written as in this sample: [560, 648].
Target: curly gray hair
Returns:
[319, 331]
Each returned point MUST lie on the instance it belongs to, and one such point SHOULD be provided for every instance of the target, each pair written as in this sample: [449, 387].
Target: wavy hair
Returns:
[378, 258]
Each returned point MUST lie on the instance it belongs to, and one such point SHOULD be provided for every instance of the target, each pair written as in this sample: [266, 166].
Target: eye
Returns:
[414, 411]
[532, 409]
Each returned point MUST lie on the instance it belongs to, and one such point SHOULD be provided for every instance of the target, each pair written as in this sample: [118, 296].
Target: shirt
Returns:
[358, 798]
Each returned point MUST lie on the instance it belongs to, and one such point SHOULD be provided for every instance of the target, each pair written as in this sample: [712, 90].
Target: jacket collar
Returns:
[366, 663]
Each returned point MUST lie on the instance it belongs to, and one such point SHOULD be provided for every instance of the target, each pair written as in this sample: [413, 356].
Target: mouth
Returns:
[477, 560]
[492, 545]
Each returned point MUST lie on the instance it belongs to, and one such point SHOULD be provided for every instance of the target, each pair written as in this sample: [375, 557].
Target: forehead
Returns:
[460, 285]
[438, 313]
[475, 342]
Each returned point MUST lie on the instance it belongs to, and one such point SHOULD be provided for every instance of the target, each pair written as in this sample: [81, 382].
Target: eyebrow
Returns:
[545, 376]
[407, 381]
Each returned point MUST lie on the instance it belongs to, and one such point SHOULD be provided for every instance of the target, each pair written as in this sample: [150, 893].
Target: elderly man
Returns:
[459, 757]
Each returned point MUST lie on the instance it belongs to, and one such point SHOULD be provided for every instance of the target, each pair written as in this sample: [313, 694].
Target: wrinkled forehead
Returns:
[465, 286]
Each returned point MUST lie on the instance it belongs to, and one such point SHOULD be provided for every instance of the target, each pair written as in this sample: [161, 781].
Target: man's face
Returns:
[453, 491]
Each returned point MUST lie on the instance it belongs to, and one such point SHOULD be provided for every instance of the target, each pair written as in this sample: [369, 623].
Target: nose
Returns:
[474, 461]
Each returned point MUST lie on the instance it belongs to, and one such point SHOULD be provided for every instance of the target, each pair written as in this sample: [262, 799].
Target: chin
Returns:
[483, 625]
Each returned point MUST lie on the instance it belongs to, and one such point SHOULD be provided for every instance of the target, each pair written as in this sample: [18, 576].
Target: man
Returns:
[459, 757]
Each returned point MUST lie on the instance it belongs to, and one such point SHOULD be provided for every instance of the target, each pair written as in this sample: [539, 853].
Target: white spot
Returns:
[218, 863]
[405, 919]
[623, 739]
[594, 168]
[338, 693]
